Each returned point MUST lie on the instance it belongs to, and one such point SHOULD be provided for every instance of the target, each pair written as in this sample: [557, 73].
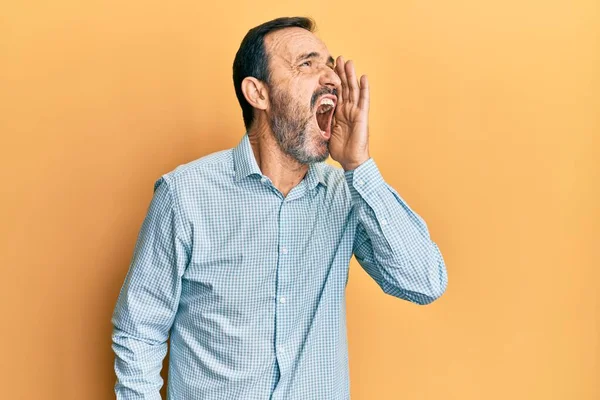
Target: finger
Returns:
[354, 90]
[365, 97]
[341, 71]
[336, 68]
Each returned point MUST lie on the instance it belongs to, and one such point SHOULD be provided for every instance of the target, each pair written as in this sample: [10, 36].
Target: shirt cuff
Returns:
[363, 180]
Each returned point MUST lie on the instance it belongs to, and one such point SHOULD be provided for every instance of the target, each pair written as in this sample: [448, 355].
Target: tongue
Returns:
[322, 120]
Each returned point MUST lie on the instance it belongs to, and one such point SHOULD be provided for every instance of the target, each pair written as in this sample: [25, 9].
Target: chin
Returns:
[320, 148]
[317, 150]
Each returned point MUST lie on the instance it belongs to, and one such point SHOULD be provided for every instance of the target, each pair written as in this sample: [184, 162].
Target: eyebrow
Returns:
[314, 54]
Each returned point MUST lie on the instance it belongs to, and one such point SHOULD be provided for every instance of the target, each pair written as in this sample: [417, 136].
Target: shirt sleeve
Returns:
[392, 242]
[148, 300]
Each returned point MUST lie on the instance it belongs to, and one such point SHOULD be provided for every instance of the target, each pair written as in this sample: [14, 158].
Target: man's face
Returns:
[303, 93]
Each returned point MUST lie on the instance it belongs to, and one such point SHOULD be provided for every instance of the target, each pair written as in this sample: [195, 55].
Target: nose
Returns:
[330, 78]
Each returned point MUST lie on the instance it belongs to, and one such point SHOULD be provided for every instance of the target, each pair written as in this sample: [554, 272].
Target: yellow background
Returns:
[484, 116]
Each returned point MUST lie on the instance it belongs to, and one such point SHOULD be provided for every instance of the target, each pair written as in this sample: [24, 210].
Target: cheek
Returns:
[300, 102]
[304, 89]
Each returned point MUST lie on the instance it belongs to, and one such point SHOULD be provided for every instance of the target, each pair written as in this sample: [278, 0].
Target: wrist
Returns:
[352, 165]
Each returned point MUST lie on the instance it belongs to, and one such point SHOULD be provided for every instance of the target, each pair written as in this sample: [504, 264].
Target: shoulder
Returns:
[201, 172]
[334, 179]
[332, 175]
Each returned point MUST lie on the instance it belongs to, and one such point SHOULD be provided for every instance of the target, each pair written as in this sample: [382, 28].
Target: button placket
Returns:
[282, 307]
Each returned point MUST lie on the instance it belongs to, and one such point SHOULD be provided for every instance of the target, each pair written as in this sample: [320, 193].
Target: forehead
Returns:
[289, 43]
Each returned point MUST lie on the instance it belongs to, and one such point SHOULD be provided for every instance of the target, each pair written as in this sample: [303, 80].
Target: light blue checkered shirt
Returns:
[250, 284]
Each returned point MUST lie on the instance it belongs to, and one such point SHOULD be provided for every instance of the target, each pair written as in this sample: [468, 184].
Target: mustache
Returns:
[321, 92]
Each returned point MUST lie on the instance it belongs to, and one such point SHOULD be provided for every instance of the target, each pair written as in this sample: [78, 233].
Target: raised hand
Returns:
[349, 143]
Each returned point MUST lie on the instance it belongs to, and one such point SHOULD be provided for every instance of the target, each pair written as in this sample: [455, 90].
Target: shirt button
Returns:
[263, 179]
[361, 182]
[384, 222]
[282, 300]
[283, 250]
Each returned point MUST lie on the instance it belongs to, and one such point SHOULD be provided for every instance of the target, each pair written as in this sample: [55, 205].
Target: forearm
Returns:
[137, 366]
[393, 242]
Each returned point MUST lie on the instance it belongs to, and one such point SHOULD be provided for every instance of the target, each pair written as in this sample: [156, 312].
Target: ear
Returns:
[256, 93]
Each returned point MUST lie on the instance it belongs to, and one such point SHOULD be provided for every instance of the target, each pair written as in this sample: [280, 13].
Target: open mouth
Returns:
[324, 114]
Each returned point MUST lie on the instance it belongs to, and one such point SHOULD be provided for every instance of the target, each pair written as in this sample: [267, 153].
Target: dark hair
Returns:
[252, 59]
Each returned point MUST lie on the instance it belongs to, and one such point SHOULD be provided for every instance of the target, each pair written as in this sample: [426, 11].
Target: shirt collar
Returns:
[245, 165]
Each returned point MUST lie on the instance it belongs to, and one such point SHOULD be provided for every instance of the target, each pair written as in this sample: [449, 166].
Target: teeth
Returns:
[324, 108]
[327, 101]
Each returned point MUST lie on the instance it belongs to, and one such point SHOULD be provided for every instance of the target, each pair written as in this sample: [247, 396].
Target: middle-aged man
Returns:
[243, 256]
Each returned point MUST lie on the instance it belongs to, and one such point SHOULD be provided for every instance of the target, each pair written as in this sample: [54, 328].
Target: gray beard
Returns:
[291, 130]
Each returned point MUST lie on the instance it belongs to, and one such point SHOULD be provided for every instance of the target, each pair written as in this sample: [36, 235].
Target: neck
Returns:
[284, 171]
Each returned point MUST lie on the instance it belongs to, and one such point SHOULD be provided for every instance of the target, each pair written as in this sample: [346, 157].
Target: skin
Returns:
[284, 136]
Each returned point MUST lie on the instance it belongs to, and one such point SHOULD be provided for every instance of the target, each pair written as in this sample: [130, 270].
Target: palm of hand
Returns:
[349, 144]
